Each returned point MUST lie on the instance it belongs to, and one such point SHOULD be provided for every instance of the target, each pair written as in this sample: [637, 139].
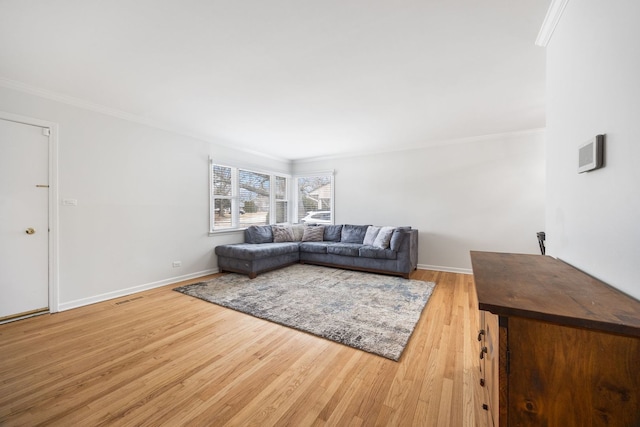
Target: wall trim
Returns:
[445, 269]
[173, 280]
[134, 289]
[113, 112]
[550, 22]
[86, 105]
[428, 144]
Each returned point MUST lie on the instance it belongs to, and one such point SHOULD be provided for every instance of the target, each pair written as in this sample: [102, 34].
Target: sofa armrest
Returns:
[407, 246]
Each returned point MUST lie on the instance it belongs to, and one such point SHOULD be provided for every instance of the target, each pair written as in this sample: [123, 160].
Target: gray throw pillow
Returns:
[384, 237]
[370, 236]
[313, 234]
[282, 233]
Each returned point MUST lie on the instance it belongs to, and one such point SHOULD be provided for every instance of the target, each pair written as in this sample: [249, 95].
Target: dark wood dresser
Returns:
[557, 347]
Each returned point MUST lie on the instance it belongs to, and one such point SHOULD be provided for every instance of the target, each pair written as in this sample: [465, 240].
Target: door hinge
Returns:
[46, 131]
[508, 362]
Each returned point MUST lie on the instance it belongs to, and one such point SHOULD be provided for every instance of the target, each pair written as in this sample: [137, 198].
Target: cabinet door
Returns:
[485, 382]
[491, 362]
[565, 376]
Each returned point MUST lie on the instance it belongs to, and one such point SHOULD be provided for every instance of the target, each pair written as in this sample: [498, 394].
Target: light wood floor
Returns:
[163, 358]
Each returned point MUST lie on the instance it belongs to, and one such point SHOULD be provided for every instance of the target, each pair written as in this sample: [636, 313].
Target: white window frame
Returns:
[287, 197]
[296, 201]
[235, 196]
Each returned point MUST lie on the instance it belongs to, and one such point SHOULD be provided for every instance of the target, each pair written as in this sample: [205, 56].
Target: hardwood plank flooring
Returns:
[163, 358]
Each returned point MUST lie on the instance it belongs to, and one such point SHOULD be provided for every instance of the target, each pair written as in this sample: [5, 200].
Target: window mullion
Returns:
[272, 199]
[235, 190]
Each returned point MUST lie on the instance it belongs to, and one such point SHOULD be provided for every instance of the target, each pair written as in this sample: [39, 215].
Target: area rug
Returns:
[370, 312]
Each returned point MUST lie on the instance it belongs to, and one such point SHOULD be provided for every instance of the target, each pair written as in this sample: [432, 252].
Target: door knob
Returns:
[30, 230]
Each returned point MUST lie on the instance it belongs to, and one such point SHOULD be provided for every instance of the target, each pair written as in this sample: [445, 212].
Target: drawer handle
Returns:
[480, 334]
[482, 352]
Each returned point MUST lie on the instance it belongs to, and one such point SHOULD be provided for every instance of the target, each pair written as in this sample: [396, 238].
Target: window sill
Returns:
[226, 231]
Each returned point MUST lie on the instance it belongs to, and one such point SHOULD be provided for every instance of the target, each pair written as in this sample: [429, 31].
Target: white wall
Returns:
[593, 87]
[142, 200]
[480, 194]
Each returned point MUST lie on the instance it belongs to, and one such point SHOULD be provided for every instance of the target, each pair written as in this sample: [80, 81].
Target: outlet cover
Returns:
[176, 264]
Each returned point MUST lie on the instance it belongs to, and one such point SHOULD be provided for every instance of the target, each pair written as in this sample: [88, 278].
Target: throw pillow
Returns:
[298, 231]
[282, 233]
[384, 237]
[313, 234]
[370, 237]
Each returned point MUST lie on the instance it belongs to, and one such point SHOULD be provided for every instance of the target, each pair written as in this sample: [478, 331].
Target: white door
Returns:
[24, 220]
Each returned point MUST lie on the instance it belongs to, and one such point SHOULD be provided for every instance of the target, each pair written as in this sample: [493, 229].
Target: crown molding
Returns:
[113, 112]
[550, 22]
[79, 103]
[427, 144]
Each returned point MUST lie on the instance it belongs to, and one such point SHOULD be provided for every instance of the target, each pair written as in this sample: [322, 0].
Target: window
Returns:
[241, 197]
[315, 198]
[255, 198]
[223, 197]
[282, 199]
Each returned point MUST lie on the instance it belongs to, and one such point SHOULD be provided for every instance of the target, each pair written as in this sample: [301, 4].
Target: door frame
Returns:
[53, 200]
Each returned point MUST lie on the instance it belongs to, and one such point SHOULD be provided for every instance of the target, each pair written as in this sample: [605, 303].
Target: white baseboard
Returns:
[445, 269]
[135, 289]
[128, 291]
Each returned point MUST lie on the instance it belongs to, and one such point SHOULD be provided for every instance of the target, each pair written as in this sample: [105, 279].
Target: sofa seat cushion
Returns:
[348, 249]
[378, 253]
[314, 247]
[249, 251]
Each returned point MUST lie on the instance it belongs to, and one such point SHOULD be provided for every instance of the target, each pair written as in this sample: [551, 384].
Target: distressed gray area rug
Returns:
[370, 312]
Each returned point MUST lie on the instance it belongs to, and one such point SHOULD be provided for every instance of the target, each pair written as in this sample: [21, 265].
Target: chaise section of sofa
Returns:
[344, 246]
[252, 259]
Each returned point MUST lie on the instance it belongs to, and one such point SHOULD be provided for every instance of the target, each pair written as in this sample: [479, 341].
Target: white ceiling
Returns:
[292, 79]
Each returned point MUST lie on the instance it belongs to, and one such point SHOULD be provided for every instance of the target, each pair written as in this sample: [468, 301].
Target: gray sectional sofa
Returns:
[388, 250]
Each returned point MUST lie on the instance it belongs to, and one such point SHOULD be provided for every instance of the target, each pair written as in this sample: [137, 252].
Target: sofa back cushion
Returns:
[258, 234]
[353, 233]
[332, 233]
[397, 237]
